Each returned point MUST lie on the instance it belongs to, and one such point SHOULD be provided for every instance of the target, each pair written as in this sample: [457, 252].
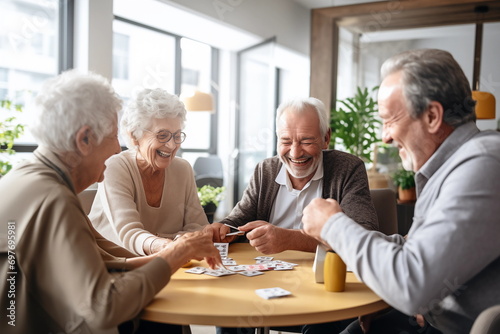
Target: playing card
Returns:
[237, 268]
[196, 270]
[281, 266]
[258, 267]
[286, 263]
[235, 233]
[263, 258]
[250, 273]
[222, 247]
[218, 272]
[229, 262]
[272, 293]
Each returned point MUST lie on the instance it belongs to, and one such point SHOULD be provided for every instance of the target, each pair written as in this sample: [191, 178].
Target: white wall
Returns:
[285, 19]
[458, 40]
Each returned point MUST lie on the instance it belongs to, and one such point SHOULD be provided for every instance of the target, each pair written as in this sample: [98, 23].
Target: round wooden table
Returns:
[231, 301]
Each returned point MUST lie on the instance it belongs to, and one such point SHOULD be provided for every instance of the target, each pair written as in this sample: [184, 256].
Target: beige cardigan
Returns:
[62, 283]
[121, 213]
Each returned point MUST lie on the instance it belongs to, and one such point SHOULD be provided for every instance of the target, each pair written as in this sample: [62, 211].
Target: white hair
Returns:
[299, 105]
[72, 100]
[149, 104]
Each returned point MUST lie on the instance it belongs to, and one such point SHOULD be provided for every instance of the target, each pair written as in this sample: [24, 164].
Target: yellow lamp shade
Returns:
[198, 101]
[485, 104]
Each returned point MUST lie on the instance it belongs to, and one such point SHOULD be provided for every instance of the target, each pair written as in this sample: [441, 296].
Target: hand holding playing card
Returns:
[194, 245]
[220, 232]
[317, 213]
[265, 237]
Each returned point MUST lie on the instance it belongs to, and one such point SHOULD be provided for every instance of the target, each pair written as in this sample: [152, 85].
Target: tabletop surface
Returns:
[231, 301]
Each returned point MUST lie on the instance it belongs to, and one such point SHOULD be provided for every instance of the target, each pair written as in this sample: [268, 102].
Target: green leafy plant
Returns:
[405, 179]
[355, 124]
[208, 194]
[10, 129]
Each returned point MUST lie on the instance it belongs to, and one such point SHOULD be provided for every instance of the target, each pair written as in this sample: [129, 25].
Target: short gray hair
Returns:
[150, 104]
[433, 75]
[299, 105]
[68, 102]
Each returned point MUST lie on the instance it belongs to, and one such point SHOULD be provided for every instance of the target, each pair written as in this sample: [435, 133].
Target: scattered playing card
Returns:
[263, 258]
[284, 262]
[196, 270]
[272, 293]
[237, 268]
[259, 267]
[218, 272]
[281, 266]
[250, 273]
[229, 262]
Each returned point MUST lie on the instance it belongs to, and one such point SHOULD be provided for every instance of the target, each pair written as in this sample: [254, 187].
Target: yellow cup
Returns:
[334, 272]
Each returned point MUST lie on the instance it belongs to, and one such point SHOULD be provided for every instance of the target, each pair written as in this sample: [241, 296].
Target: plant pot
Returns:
[210, 209]
[407, 195]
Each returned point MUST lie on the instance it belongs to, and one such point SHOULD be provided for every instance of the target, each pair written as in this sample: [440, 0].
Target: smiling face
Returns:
[399, 128]
[300, 144]
[153, 154]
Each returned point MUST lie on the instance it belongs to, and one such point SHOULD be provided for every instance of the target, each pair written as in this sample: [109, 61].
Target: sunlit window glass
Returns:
[29, 33]
[196, 74]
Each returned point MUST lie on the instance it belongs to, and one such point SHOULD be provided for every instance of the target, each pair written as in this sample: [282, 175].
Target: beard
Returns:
[300, 173]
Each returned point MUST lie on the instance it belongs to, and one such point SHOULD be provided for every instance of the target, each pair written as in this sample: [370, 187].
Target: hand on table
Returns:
[316, 214]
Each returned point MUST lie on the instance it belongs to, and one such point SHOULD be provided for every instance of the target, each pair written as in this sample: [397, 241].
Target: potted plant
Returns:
[209, 199]
[405, 181]
[355, 124]
[9, 131]
[355, 127]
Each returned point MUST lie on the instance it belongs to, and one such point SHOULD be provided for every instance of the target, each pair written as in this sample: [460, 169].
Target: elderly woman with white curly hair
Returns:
[149, 195]
[64, 277]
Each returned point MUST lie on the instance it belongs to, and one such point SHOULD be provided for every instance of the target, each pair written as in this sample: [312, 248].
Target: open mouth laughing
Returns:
[163, 154]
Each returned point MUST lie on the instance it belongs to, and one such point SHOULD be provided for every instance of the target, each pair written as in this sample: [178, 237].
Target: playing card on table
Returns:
[237, 268]
[223, 248]
[257, 267]
[272, 293]
[229, 262]
[263, 258]
[282, 266]
[218, 272]
[196, 270]
[286, 263]
[250, 273]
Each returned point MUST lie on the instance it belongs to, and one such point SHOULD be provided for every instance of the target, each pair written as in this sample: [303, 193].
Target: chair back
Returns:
[208, 171]
[385, 204]
[488, 321]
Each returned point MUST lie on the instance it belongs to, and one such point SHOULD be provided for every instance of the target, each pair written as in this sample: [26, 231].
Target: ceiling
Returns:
[331, 3]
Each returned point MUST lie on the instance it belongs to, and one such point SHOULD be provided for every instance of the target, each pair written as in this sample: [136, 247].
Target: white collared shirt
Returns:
[289, 204]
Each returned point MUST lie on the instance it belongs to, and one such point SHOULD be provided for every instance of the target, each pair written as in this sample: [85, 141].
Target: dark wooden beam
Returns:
[324, 50]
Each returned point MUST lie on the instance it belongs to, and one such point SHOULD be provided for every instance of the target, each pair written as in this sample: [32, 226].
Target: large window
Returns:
[30, 52]
[147, 57]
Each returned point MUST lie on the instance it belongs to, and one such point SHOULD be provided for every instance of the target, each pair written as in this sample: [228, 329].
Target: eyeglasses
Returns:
[164, 136]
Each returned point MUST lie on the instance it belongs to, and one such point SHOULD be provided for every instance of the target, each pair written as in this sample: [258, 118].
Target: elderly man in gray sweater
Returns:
[448, 268]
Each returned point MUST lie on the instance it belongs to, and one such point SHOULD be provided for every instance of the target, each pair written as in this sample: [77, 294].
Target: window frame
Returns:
[214, 77]
[66, 21]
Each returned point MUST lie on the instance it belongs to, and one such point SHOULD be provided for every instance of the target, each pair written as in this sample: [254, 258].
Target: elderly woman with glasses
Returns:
[149, 195]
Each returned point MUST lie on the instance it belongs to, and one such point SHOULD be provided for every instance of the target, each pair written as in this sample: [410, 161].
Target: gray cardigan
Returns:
[344, 180]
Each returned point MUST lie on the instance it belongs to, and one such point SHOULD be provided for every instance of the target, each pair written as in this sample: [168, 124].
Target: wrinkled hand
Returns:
[265, 237]
[194, 245]
[219, 232]
[316, 214]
